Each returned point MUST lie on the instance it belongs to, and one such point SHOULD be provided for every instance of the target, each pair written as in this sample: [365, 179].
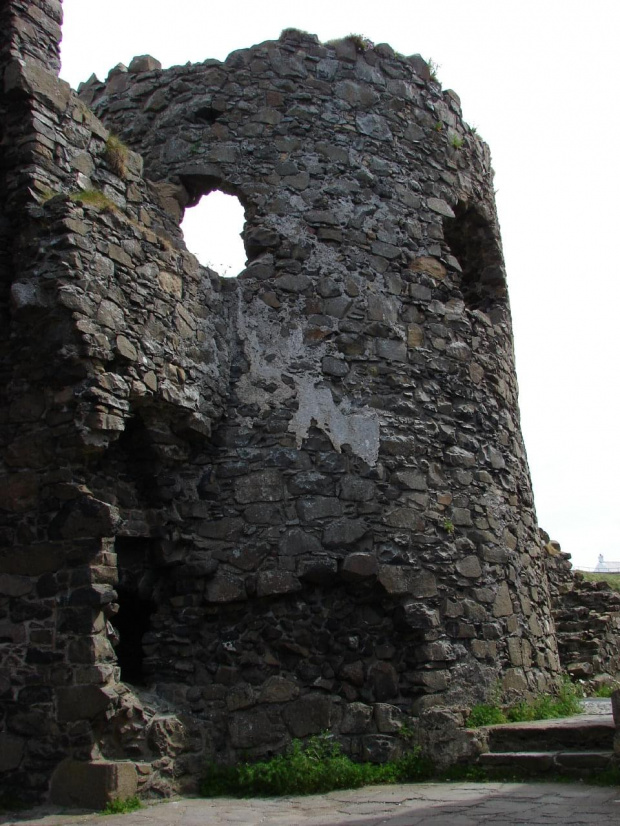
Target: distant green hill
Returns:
[612, 579]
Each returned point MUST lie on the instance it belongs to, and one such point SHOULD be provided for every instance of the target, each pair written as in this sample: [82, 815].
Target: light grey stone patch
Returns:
[335, 367]
[392, 350]
[462, 516]
[360, 430]
[411, 479]
[440, 206]
[262, 486]
[344, 532]
[312, 508]
[374, 126]
[502, 606]
[469, 567]
[327, 69]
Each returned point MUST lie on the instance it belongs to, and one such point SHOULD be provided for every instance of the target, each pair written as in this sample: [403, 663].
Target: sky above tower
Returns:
[539, 81]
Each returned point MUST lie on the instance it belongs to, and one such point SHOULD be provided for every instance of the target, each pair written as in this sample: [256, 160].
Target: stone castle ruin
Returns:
[239, 511]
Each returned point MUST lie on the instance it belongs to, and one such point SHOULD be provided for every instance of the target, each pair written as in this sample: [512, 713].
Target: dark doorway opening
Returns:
[136, 606]
[473, 243]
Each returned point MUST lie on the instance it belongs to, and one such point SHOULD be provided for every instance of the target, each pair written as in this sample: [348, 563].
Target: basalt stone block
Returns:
[402, 579]
[272, 583]
[380, 748]
[311, 714]
[261, 486]
[296, 542]
[384, 681]
[318, 570]
[92, 785]
[144, 63]
[344, 532]
[85, 517]
[18, 492]
[310, 481]
[249, 729]
[225, 587]
[354, 489]
[229, 529]
[334, 366]
[314, 508]
[359, 566]
[278, 690]
[469, 567]
[15, 586]
[11, 751]
[168, 735]
[96, 649]
[82, 702]
[388, 718]
[502, 605]
[356, 719]
[418, 616]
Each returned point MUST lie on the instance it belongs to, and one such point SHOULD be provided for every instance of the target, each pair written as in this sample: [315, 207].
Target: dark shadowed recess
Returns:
[472, 241]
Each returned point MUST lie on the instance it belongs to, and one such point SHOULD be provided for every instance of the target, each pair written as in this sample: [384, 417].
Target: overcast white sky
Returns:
[540, 82]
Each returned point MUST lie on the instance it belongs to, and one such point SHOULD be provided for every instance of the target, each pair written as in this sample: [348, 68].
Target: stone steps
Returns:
[535, 762]
[580, 745]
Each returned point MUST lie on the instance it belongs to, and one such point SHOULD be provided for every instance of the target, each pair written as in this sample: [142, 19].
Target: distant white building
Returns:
[603, 567]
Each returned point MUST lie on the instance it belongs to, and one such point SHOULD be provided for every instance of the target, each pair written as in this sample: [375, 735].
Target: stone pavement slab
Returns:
[425, 804]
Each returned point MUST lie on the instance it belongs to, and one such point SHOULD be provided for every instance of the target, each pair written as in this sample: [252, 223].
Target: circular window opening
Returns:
[212, 230]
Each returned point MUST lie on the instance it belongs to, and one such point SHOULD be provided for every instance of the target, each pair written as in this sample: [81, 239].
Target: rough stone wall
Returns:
[111, 325]
[306, 487]
[587, 620]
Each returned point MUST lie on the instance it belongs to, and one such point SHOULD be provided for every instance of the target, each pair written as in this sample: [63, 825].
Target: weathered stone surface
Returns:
[310, 714]
[380, 748]
[82, 702]
[263, 486]
[387, 718]
[144, 63]
[92, 785]
[271, 583]
[11, 751]
[278, 690]
[384, 681]
[470, 567]
[281, 497]
[344, 532]
[253, 728]
[398, 579]
[225, 588]
[297, 542]
[502, 606]
[356, 719]
[359, 566]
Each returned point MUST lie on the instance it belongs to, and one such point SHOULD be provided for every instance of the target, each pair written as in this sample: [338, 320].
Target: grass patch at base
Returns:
[566, 703]
[122, 806]
[311, 768]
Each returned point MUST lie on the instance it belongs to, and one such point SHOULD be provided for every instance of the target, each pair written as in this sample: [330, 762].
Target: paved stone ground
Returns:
[428, 804]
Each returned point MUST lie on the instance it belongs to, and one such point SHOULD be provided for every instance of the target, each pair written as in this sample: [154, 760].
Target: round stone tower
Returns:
[357, 538]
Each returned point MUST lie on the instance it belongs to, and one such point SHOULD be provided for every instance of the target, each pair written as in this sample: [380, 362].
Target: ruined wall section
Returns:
[587, 621]
[368, 532]
[109, 322]
[30, 31]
